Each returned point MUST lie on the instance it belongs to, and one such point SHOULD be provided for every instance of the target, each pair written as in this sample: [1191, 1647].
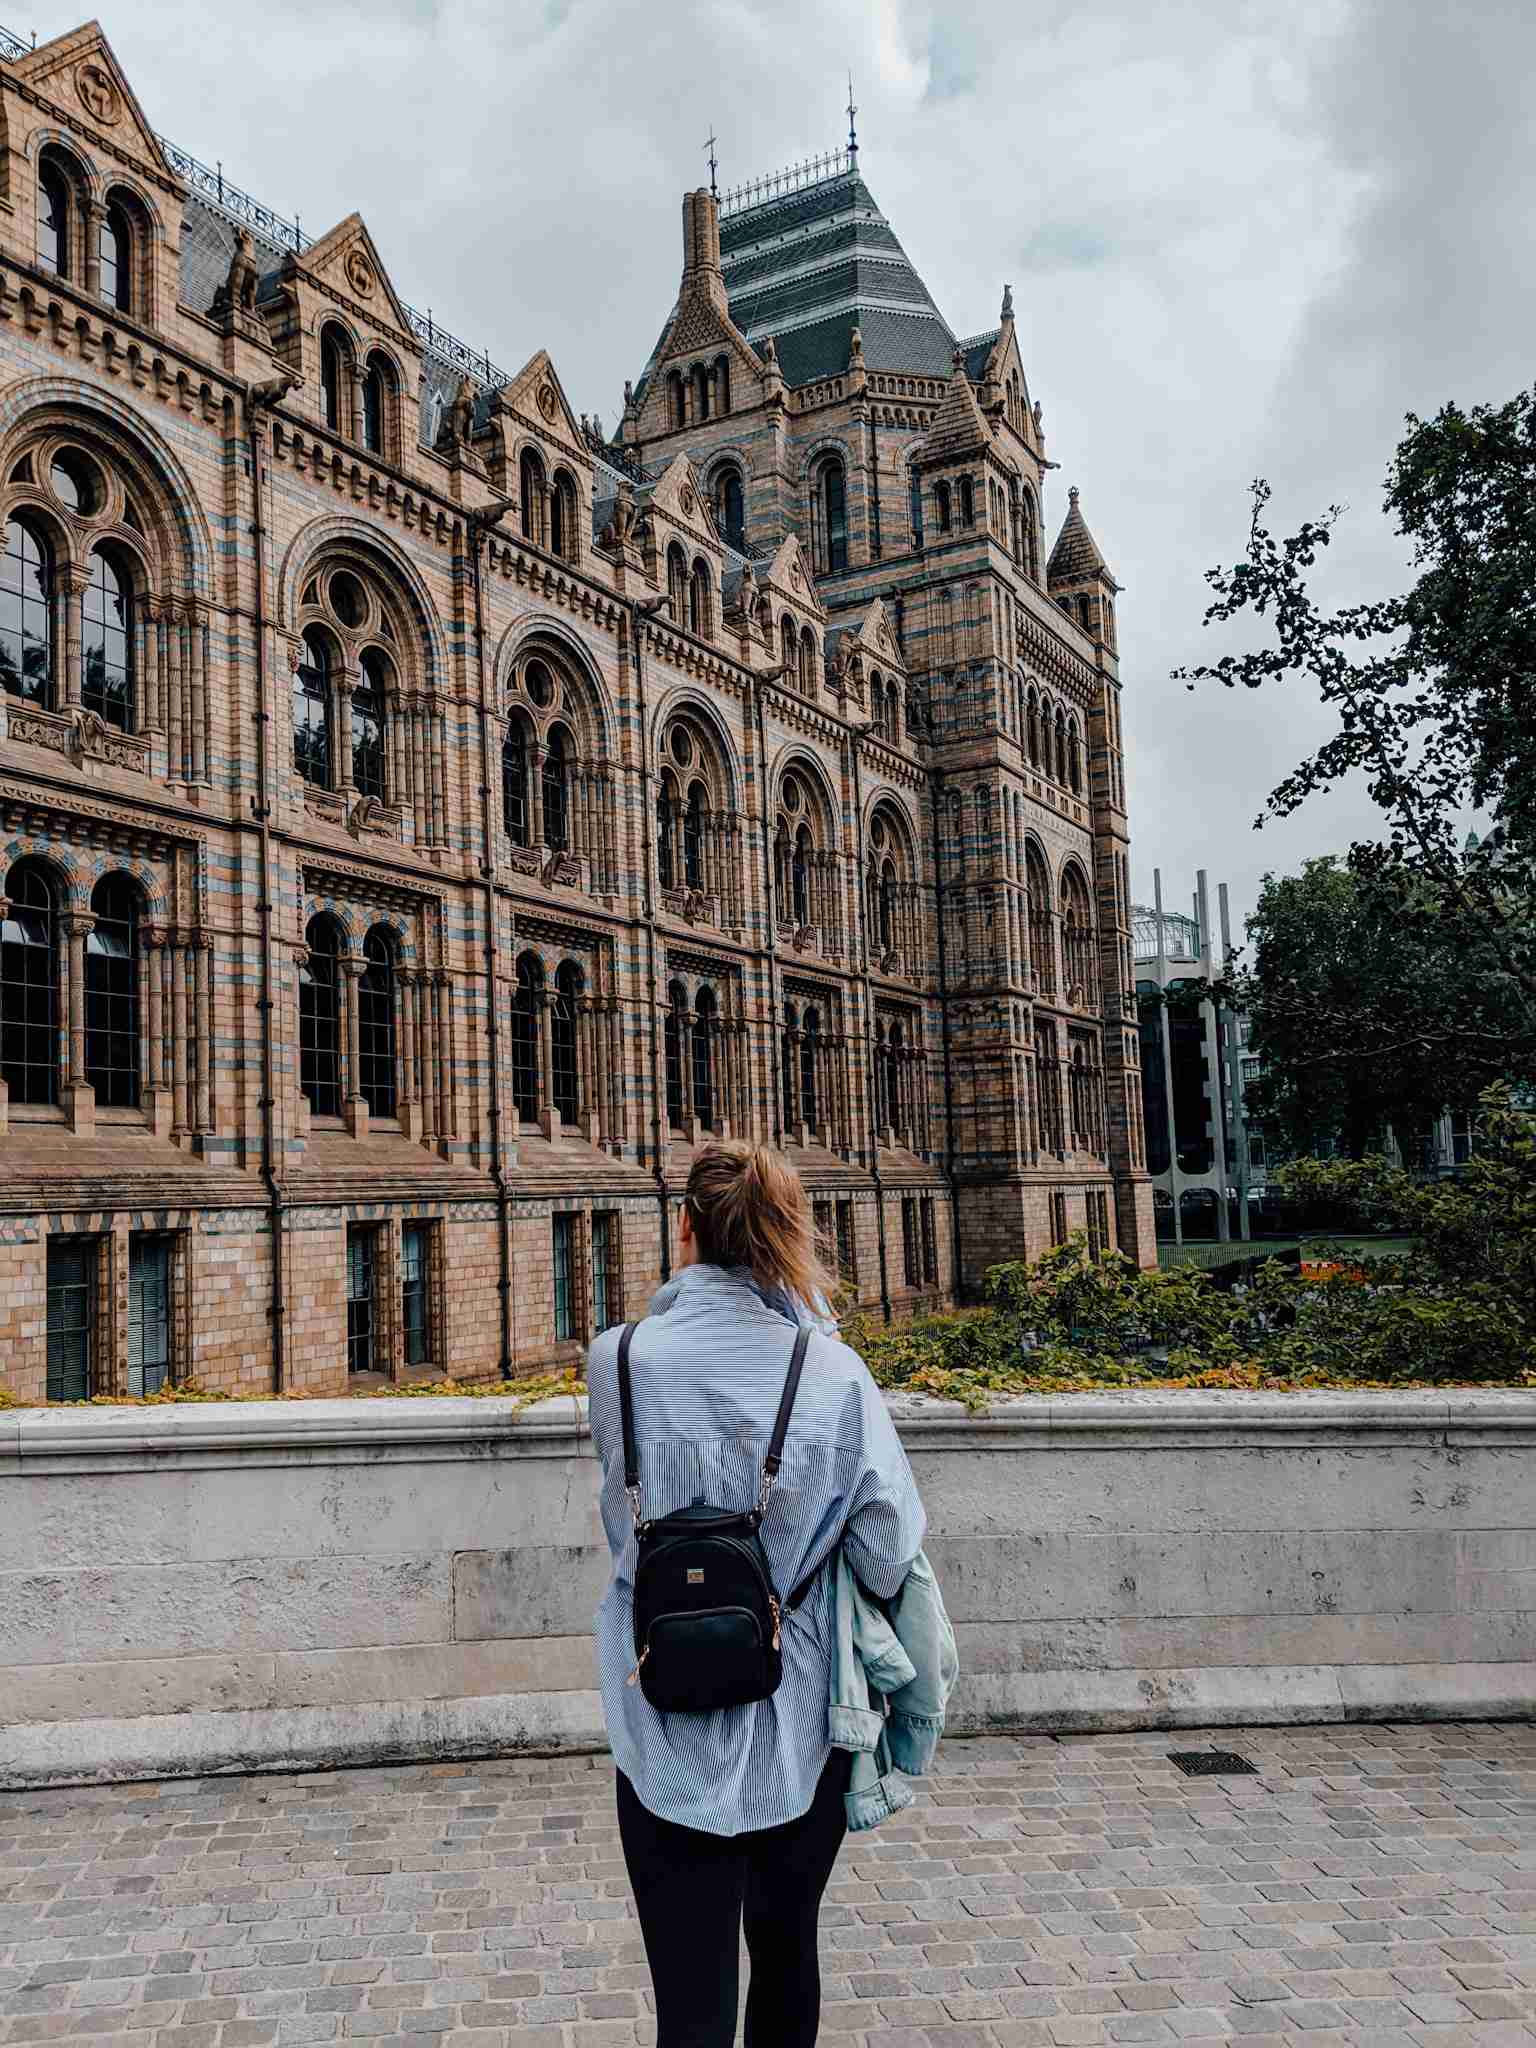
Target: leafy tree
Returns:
[1433, 691]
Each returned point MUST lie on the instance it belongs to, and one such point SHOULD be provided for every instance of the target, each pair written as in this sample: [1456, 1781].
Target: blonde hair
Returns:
[748, 1207]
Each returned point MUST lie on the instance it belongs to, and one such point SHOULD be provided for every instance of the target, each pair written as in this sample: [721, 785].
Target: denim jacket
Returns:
[894, 1666]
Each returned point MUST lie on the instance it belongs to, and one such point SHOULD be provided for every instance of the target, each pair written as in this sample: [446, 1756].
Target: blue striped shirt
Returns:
[707, 1368]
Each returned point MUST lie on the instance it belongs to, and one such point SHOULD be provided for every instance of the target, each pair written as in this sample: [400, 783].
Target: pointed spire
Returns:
[853, 133]
[1075, 557]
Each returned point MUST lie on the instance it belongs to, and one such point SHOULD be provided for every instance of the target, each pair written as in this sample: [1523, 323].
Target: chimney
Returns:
[701, 235]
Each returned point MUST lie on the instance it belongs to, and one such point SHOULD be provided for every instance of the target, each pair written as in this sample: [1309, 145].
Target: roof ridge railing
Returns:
[815, 170]
[281, 234]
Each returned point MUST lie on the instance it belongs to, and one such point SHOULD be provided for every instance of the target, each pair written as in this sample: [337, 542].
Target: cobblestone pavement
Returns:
[1370, 1886]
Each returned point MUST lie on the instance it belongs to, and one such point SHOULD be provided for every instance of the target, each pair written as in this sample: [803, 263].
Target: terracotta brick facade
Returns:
[422, 824]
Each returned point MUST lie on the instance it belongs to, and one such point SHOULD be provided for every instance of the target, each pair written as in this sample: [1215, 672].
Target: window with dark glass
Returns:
[530, 480]
[26, 614]
[362, 1286]
[525, 1036]
[149, 1312]
[564, 1078]
[52, 220]
[910, 1257]
[106, 642]
[555, 791]
[676, 1007]
[378, 385]
[312, 712]
[605, 1269]
[112, 994]
[799, 877]
[29, 989]
[704, 1059]
[847, 1260]
[416, 1294]
[967, 501]
[320, 1019]
[565, 1274]
[514, 782]
[941, 506]
[72, 1264]
[834, 501]
[930, 1242]
[115, 252]
[810, 1041]
[368, 701]
[693, 837]
[666, 804]
[730, 508]
[698, 601]
[332, 377]
[916, 506]
[376, 1025]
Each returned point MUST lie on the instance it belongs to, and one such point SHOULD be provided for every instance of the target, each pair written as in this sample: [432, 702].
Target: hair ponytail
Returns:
[749, 1208]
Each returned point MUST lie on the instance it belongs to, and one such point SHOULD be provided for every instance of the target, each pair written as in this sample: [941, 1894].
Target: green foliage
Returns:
[522, 1393]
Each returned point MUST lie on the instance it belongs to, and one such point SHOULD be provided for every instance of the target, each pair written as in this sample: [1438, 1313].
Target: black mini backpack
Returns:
[708, 1620]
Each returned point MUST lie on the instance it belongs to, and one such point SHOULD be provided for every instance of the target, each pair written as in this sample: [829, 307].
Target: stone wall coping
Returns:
[33, 1439]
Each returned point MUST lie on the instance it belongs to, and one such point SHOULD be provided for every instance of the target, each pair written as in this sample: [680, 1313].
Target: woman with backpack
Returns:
[754, 1445]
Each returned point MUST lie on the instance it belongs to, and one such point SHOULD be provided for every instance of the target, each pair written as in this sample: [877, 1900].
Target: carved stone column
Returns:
[346, 681]
[431, 1129]
[72, 584]
[447, 1038]
[535, 794]
[410, 1104]
[181, 1049]
[437, 746]
[354, 1107]
[202, 959]
[199, 717]
[80, 1097]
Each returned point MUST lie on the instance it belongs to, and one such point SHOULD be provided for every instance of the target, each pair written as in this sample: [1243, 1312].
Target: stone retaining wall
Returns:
[254, 1585]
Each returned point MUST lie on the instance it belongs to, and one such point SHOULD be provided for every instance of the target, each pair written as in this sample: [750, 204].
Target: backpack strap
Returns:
[775, 1456]
[627, 1422]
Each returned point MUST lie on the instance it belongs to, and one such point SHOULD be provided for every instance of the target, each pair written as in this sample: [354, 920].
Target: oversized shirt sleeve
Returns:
[886, 1523]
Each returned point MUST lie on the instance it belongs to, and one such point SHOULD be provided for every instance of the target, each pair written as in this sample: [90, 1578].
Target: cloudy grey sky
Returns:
[1243, 239]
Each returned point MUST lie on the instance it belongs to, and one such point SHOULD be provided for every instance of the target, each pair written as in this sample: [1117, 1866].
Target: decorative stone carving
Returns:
[564, 869]
[360, 273]
[98, 95]
[79, 735]
[524, 860]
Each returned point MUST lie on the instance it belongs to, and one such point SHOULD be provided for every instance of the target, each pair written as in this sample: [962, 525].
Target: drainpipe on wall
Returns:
[480, 524]
[855, 734]
[638, 613]
[949, 1089]
[257, 398]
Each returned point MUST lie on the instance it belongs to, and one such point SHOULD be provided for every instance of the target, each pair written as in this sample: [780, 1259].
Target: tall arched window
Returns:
[526, 1003]
[941, 506]
[565, 1075]
[677, 1010]
[1074, 759]
[335, 360]
[555, 790]
[704, 1058]
[514, 781]
[106, 640]
[562, 516]
[967, 501]
[693, 836]
[882, 1081]
[800, 877]
[1079, 940]
[54, 223]
[112, 994]
[115, 256]
[699, 608]
[26, 614]
[677, 584]
[730, 508]
[701, 406]
[832, 504]
[789, 644]
[810, 1043]
[378, 403]
[1060, 764]
[915, 504]
[530, 490]
[369, 751]
[376, 1023]
[312, 710]
[807, 662]
[29, 987]
[895, 1094]
[1042, 949]
[722, 383]
[676, 403]
[320, 1017]
[666, 829]
[887, 905]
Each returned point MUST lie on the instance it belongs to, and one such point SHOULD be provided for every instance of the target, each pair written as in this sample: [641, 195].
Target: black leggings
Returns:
[695, 1891]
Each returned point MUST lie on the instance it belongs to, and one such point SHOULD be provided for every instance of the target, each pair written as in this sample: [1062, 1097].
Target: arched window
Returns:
[895, 1094]
[335, 361]
[320, 1018]
[941, 506]
[312, 710]
[26, 614]
[1079, 941]
[565, 1077]
[562, 516]
[800, 877]
[789, 1065]
[106, 640]
[1085, 616]
[704, 1058]
[967, 501]
[722, 384]
[807, 662]
[677, 583]
[112, 994]
[666, 828]
[378, 403]
[701, 391]
[514, 781]
[810, 1041]
[832, 505]
[887, 905]
[29, 987]
[1033, 727]
[530, 491]
[1042, 949]
[882, 1081]
[789, 644]
[693, 836]
[730, 508]
[677, 1010]
[555, 790]
[1060, 765]
[677, 405]
[915, 502]
[54, 222]
[698, 601]
[1074, 759]
[115, 256]
[368, 701]
[526, 1002]
[376, 1023]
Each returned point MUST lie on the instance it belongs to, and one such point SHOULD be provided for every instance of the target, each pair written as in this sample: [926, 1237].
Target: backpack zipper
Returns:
[634, 1676]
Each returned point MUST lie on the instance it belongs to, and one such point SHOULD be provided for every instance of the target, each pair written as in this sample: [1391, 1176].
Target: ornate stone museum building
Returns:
[427, 819]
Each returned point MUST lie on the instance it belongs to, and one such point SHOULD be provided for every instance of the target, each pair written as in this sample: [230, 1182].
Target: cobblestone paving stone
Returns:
[1373, 1885]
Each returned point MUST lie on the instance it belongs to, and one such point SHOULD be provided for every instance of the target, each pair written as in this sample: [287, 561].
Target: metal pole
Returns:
[1237, 1093]
[1215, 1080]
[1165, 1039]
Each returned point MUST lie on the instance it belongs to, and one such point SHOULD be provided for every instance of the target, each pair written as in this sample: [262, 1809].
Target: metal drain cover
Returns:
[1212, 1763]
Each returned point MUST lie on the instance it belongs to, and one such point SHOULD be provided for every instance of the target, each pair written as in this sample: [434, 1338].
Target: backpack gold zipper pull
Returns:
[775, 1606]
[634, 1676]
